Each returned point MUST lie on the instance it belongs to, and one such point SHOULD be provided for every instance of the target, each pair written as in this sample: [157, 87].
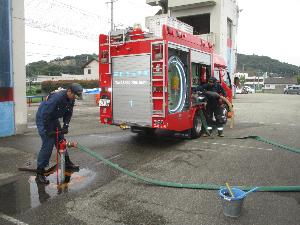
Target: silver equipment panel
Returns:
[132, 90]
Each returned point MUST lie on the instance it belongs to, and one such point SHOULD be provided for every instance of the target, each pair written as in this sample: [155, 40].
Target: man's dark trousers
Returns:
[48, 142]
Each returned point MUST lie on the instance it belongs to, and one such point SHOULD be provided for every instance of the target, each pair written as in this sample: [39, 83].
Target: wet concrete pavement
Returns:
[101, 195]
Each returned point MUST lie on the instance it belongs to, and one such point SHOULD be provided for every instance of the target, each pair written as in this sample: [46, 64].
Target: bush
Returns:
[33, 89]
[49, 86]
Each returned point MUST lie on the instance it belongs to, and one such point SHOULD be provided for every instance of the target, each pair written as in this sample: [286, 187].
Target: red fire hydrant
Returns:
[62, 148]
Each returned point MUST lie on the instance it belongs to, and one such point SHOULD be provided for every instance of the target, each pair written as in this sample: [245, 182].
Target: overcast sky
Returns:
[266, 27]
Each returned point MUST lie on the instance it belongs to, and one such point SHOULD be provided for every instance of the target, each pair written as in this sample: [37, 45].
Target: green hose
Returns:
[192, 186]
[262, 139]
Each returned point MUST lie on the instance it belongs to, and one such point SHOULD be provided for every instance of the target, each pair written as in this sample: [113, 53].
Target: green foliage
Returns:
[49, 86]
[33, 89]
[66, 65]
[298, 79]
[260, 64]
[242, 80]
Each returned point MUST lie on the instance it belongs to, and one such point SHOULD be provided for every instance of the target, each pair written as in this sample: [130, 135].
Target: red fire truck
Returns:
[146, 80]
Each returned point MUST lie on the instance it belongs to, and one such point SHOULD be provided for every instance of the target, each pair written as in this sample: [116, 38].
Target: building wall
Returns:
[19, 73]
[6, 80]
[93, 66]
[274, 88]
[229, 10]
[219, 13]
[214, 12]
[13, 109]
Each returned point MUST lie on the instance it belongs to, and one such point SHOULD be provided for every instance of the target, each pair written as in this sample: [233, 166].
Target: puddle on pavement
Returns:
[22, 193]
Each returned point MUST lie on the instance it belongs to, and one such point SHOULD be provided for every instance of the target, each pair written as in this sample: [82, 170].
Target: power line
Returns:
[38, 53]
[47, 27]
[53, 46]
[60, 30]
[57, 17]
[60, 5]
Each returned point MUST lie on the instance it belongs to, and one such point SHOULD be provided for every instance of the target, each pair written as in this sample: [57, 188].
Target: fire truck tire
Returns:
[197, 126]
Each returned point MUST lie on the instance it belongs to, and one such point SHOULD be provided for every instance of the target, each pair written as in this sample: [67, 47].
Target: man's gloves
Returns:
[64, 130]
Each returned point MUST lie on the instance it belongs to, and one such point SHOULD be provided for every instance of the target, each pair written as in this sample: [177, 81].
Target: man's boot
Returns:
[40, 177]
[70, 165]
[208, 132]
[220, 132]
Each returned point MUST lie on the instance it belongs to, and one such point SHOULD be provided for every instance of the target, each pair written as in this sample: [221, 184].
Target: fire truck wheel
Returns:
[197, 126]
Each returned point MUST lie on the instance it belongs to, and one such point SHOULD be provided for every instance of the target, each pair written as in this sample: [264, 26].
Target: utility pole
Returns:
[111, 2]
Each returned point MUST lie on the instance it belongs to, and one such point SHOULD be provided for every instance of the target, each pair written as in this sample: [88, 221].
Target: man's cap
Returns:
[76, 89]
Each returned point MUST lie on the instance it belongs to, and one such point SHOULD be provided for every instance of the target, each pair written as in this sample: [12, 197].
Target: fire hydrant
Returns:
[62, 146]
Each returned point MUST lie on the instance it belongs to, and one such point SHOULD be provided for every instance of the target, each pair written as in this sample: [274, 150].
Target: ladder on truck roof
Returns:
[158, 82]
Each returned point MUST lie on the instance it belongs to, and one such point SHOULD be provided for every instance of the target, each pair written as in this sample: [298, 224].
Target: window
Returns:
[195, 74]
[89, 71]
[200, 23]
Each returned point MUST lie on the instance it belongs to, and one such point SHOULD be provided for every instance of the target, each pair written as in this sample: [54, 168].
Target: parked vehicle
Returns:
[242, 90]
[146, 80]
[249, 89]
[294, 89]
[238, 90]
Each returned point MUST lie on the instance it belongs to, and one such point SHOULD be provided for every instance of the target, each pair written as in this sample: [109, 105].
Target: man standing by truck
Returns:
[212, 90]
[58, 105]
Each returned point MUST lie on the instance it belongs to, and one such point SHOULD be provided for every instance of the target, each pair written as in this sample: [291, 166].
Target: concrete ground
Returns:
[98, 194]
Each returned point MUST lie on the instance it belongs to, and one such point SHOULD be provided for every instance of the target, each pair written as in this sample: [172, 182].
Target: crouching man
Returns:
[58, 105]
[212, 90]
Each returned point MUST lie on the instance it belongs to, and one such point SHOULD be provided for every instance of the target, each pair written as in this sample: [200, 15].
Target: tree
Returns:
[242, 80]
[298, 79]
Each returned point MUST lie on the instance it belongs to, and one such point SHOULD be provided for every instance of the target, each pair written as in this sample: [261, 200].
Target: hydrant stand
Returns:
[62, 151]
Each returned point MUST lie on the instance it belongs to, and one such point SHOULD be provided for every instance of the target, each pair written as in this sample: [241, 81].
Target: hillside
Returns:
[66, 65]
[254, 64]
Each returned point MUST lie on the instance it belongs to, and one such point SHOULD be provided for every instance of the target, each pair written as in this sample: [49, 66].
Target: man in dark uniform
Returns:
[212, 90]
[58, 105]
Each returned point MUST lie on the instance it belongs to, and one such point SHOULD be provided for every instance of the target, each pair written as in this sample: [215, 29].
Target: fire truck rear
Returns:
[146, 78]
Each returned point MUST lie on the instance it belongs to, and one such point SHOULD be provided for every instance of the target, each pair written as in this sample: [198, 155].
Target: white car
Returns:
[249, 89]
[241, 90]
[238, 91]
